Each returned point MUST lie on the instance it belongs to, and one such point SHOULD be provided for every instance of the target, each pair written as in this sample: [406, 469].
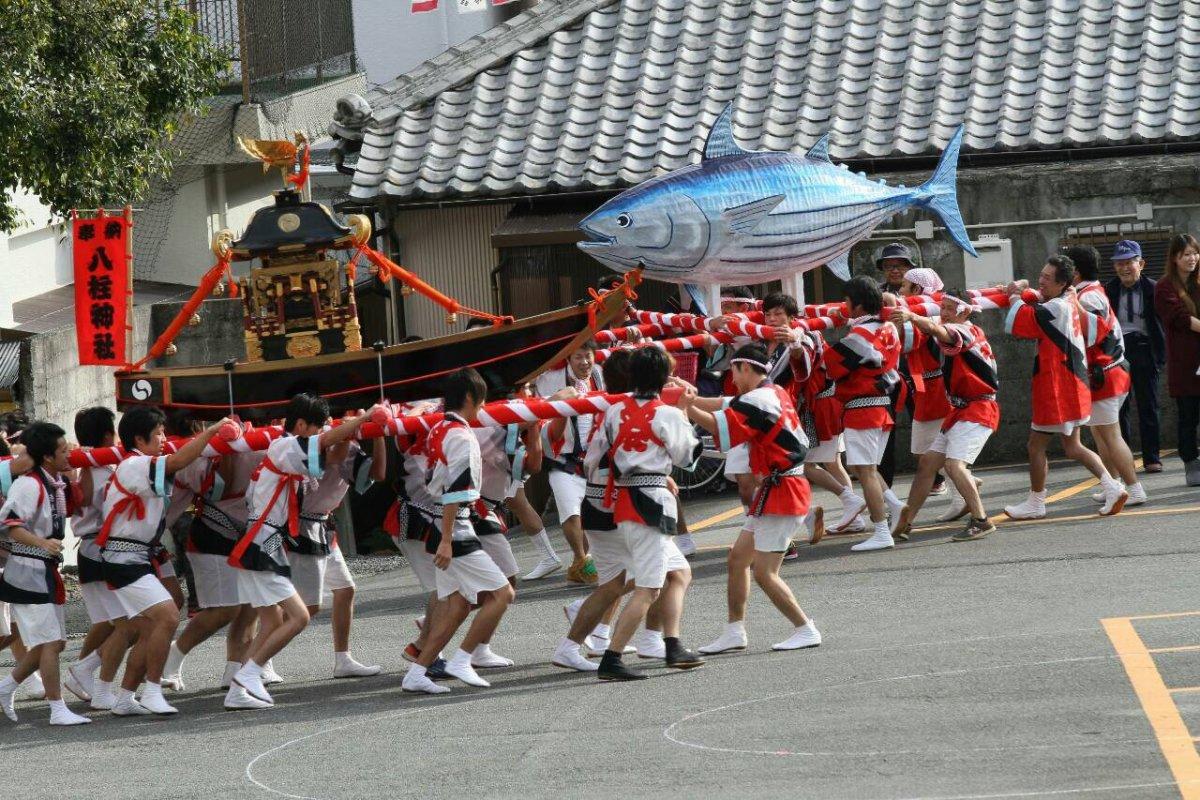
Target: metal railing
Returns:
[279, 46]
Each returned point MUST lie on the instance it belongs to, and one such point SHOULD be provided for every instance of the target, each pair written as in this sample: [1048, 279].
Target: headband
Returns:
[751, 362]
[749, 300]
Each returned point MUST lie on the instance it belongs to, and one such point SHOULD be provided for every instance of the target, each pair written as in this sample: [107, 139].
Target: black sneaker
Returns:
[612, 669]
[976, 529]
[437, 670]
[684, 659]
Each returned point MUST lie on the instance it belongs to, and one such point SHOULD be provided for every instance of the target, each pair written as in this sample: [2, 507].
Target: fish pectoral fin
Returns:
[746, 217]
[697, 295]
[820, 151]
[840, 266]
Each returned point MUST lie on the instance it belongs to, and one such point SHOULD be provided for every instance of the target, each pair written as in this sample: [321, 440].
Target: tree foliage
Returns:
[91, 92]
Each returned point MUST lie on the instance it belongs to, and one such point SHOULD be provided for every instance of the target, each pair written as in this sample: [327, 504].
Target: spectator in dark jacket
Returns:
[1177, 301]
[1131, 296]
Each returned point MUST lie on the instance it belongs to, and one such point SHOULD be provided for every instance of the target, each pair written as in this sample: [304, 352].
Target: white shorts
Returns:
[215, 582]
[513, 487]
[262, 589]
[40, 623]
[609, 553]
[1065, 428]
[145, 592]
[5, 620]
[421, 563]
[737, 460]
[864, 447]
[923, 435]
[568, 490]
[1107, 412]
[826, 452]
[312, 575]
[101, 603]
[469, 575]
[773, 533]
[497, 546]
[963, 442]
[652, 555]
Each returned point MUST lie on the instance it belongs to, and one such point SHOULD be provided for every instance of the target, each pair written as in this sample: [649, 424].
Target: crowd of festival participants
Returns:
[792, 411]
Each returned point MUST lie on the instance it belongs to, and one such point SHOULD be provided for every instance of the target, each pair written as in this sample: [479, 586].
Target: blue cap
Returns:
[897, 251]
[1127, 249]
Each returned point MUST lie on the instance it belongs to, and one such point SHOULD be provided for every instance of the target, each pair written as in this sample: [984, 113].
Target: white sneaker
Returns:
[33, 688]
[1137, 495]
[155, 703]
[348, 667]
[1098, 497]
[129, 707]
[238, 699]
[686, 544]
[881, 540]
[544, 567]
[65, 716]
[732, 638]
[568, 657]
[254, 686]
[597, 645]
[73, 686]
[231, 669]
[173, 682]
[269, 675]
[649, 644]
[7, 701]
[1115, 498]
[850, 511]
[83, 677]
[421, 683]
[103, 700]
[805, 636]
[465, 673]
[485, 658]
[1031, 508]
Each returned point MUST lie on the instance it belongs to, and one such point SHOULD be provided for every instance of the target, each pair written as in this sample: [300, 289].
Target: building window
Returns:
[1154, 242]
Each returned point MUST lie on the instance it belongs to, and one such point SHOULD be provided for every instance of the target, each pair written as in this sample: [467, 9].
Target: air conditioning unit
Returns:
[994, 264]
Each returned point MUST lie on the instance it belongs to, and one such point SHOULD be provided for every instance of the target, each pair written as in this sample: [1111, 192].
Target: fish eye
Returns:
[624, 220]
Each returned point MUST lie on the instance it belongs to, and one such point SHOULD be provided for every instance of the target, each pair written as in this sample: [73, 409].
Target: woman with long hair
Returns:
[1177, 300]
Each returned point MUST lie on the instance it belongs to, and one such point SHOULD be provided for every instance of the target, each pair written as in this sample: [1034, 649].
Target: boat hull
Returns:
[506, 356]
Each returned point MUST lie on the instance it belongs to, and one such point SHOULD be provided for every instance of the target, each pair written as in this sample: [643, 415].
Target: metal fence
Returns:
[279, 46]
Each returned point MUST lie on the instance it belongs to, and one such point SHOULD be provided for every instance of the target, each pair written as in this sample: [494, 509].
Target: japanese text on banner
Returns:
[101, 247]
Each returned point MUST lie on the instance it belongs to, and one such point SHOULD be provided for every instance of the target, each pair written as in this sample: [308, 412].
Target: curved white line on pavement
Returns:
[670, 731]
[1050, 792]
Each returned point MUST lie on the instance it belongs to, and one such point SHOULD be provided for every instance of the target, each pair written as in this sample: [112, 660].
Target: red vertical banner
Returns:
[101, 253]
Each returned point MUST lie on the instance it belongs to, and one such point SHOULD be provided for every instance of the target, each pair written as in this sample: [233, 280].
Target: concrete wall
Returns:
[53, 384]
[34, 258]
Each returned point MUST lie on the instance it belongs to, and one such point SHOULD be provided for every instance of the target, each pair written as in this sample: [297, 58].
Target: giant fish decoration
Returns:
[751, 217]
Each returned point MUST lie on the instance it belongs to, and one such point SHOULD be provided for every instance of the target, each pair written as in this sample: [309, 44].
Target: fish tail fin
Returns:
[940, 194]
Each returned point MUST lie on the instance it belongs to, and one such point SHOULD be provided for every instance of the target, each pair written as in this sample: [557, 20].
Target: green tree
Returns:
[91, 92]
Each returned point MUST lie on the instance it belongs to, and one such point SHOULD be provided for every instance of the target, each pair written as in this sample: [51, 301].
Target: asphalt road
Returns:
[970, 670]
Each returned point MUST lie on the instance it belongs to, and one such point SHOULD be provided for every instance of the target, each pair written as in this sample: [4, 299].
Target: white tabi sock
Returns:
[103, 688]
[890, 498]
[8, 685]
[152, 689]
[57, 705]
[416, 670]
[90, 663]
[251, 669]
[123, 694]
[574, 606]
[343, 659]
[461, 657]
[1038, 497]
[603, 631]
[809, 520]
[174, 662]
[1110, 484]
[541, 540]
[882, 528]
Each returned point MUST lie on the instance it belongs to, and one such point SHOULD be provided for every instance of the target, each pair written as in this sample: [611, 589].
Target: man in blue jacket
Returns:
[1131, 295]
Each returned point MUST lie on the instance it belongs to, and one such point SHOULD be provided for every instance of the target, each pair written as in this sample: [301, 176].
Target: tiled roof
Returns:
[593, 94]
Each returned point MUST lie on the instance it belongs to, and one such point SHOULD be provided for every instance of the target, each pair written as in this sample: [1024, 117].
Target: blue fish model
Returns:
[751, 217]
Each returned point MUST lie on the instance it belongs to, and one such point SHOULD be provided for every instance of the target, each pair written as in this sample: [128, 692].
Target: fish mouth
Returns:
[595, 240]
[603, 248]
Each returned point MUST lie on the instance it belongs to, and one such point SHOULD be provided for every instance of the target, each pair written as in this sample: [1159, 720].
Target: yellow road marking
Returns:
[1191, 648]
[1174, 739]
[716, 519]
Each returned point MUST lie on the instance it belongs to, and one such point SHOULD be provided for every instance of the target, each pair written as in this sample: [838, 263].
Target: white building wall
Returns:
[34, 258]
